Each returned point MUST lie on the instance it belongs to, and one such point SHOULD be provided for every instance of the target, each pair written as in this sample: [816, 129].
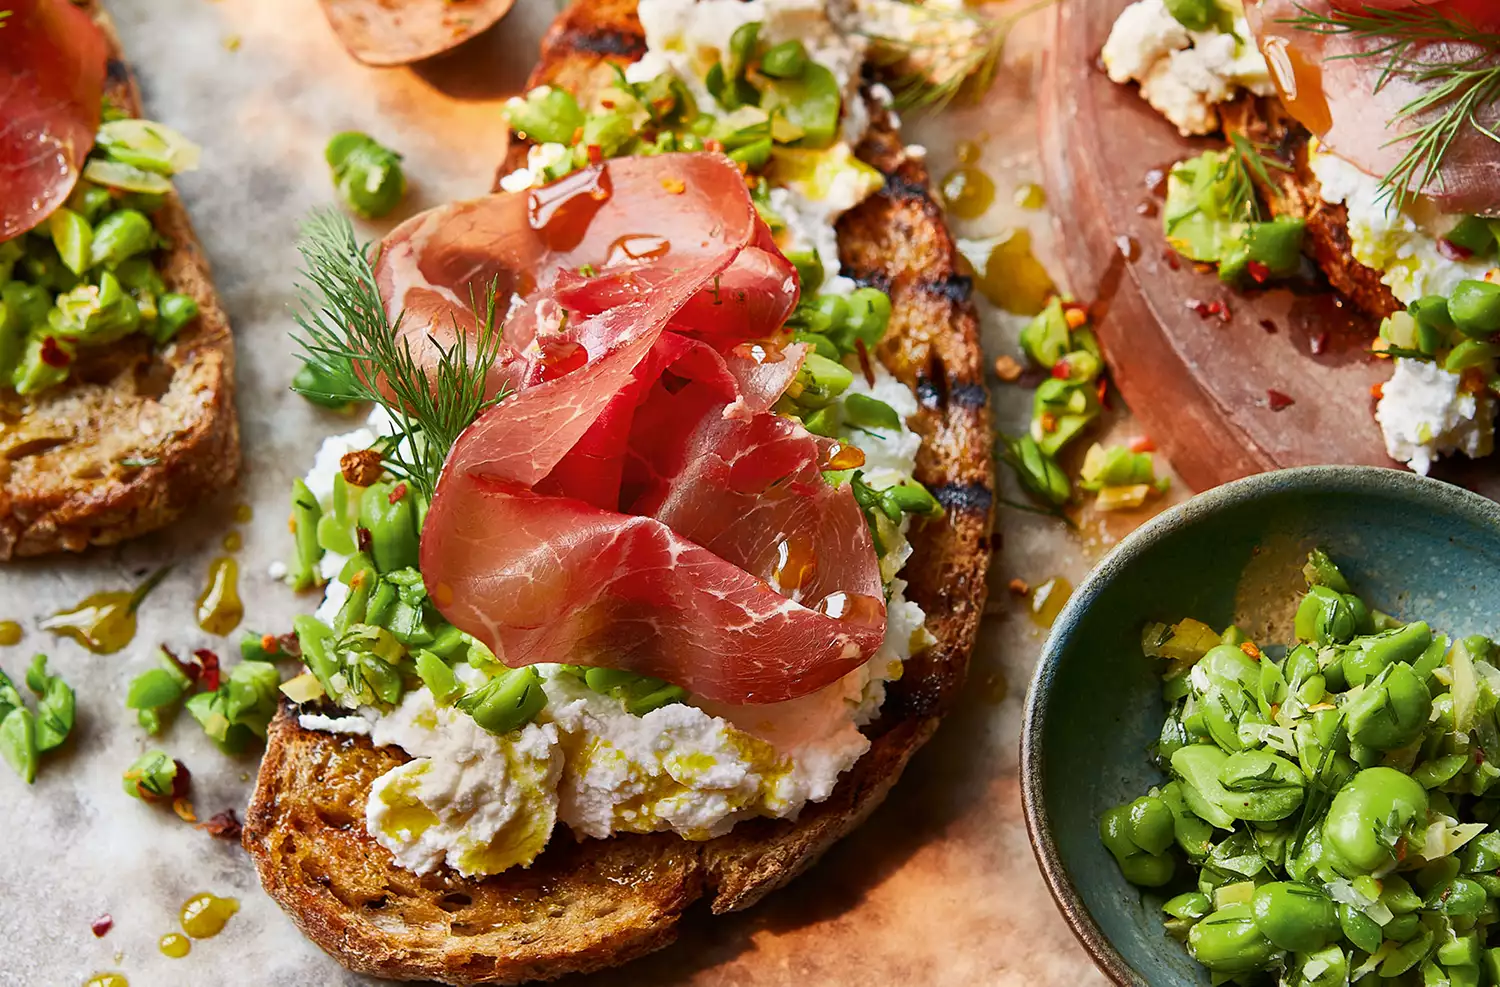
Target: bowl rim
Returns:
[1114, 565]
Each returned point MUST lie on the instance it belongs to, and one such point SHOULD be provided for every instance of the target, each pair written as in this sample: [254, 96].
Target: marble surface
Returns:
[939, 887]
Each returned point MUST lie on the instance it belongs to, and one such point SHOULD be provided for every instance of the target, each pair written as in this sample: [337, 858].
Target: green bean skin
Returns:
[1150, 824]
[303, 571]
[1229, 941]
[1405, 645]
[1374, 793]
[387, 511]
[1475, 308]
[1295, 917]
[1392, 711]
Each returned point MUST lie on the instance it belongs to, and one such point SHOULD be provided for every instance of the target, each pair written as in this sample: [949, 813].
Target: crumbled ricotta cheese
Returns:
[1401, 244]
[468, 798]
[1424, 413]
[1183, 74]
[812, 189]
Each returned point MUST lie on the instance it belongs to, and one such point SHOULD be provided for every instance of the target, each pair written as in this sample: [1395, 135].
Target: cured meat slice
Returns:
[52, 64]
[637, 505]
[1332, 83]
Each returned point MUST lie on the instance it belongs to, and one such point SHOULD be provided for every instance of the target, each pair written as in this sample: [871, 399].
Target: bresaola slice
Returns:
[52, 65]
[635, 504]
[1329, 83]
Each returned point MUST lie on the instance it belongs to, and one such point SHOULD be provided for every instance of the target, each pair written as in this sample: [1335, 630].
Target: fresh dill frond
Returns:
[1459, 90]
[956, 49]
[346, 335]
[1248, 163]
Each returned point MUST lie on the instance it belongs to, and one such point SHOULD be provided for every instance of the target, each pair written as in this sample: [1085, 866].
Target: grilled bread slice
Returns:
[136, 435]
[1297, 194]
[597, 903]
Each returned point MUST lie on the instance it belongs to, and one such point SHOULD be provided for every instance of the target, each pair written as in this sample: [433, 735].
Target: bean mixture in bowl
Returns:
[1330, 814]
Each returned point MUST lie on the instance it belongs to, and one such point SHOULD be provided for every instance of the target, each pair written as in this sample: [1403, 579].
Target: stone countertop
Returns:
[939, 887]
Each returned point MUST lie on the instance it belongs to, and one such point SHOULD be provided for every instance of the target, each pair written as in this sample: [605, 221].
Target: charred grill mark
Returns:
[929, 395]
[968, 395]
[955, 287]
[871, 279]
[932, 387]
[964, 497]
[903, 189]
[604, 42]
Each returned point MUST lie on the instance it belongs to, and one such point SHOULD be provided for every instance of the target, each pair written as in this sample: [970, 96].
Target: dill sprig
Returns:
[1248, 163]
[1459, 90]
[960, 49]
[1245, 165]
[347, 337]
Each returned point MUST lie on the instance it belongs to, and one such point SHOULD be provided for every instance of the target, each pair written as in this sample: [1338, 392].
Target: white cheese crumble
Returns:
[1401, 244]
[1424, 414]
[1184, 74]
[478, 802]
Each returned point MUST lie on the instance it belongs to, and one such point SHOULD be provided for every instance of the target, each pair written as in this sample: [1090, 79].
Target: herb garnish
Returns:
[1459, 90]
[347, 336]
[966, 51]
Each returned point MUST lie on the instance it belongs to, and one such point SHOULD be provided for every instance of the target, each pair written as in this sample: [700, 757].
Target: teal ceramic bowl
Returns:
[1414, 547]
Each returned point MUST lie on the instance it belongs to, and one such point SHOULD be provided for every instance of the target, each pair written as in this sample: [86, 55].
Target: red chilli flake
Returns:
[864, 360]
[1201, 308]
[1101, 391]
[1170, 256]
[362, 539]
[596, 154]
[224, 825]
[1060, 370]
[1453, 251]
[1259, 272]
[1278, 401]
[101, 926]
[210, 662]
[193, 672]
[714, 146]
[397, 492]
[54, 355]
[1142, 443]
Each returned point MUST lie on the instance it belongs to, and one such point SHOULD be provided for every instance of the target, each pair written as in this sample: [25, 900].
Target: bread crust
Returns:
[66, 454]
[587, 905]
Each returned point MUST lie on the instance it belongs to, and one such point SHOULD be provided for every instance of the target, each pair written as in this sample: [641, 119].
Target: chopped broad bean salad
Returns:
[1329, 817]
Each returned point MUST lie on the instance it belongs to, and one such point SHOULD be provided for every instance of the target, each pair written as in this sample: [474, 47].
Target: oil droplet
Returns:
[219, 608]
[967, 151]
[967, 192]
[233, 542]
[1048, 599]
[560, 213]
[243, 513]
[107, 980]
[796, 561]
[175, 945]
[205, 915]
[1029, 195]
[844, 457]
[634, 247]
[10, 633]
[1013, 279]
[104, 622]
